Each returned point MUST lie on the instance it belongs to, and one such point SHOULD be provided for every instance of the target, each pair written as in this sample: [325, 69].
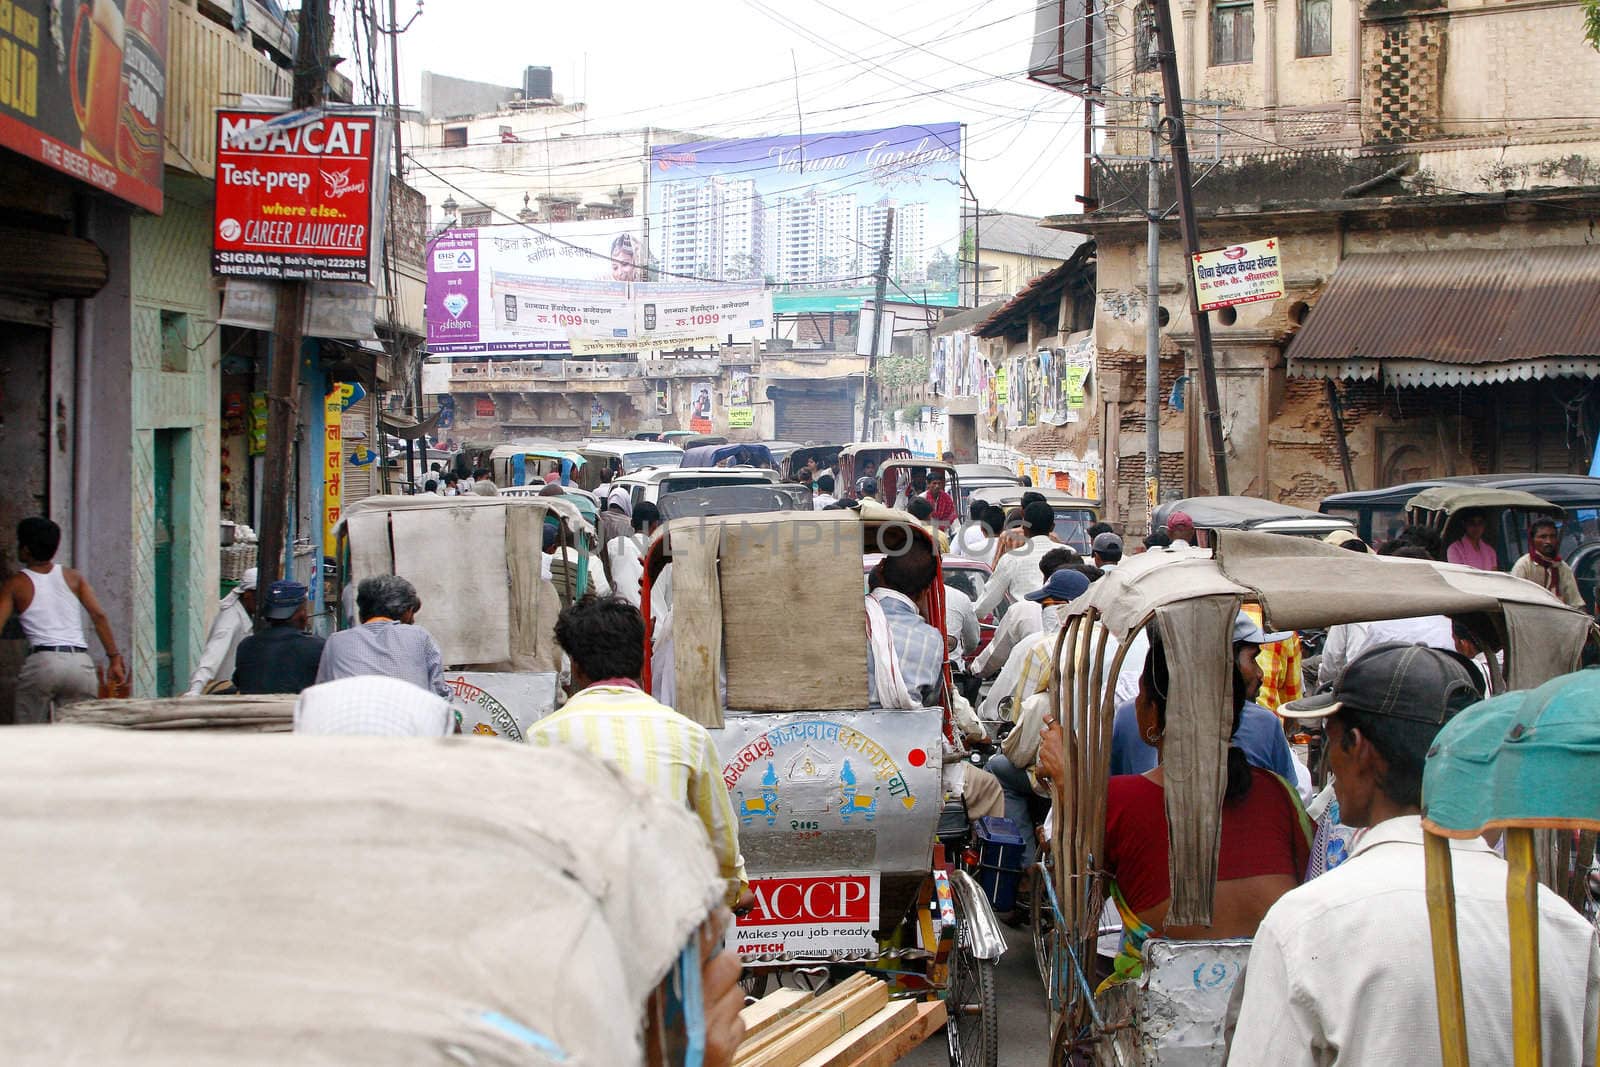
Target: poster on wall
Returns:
[663, 398]
[741, 415]
[1239, 274]
[599, 417]
[300, 195]
[825, 197]
[83, 91]
[332, 467]
[939, 366]
[700, 407]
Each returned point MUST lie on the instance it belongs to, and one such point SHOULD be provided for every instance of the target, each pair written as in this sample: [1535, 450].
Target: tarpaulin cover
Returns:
[223, 898]
[1455, 497]
[1519, 759]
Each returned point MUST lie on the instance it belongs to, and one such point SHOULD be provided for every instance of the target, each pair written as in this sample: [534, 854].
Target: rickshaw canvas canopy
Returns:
[1519, 759]
[1453, 498]
[743, 587]
[482, 595]
[226, 898]
[1193, 594]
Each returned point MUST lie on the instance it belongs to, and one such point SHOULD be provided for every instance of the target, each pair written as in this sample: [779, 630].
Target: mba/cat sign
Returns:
[298, 195]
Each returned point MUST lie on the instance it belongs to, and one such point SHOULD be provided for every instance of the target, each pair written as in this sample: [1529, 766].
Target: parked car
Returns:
[603, 456]
[1074, 515]
[975, 476]
[1250, 513]
[656, 483]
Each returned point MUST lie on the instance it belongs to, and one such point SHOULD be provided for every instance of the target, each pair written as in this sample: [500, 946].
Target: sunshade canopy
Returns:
[1453, 498]
[1234, 512]
[1519, 759]
[711, 455]
[223, 898]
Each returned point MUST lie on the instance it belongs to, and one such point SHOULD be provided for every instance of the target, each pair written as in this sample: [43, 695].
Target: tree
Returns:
[1591, 23]
[942, 269]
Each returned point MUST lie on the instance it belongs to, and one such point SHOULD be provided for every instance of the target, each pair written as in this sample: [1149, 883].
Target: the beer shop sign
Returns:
[83, 90]
[296, 195]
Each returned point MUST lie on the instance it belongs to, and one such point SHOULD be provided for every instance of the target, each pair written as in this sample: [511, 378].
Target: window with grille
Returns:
[1314, 32]
[1233, 32]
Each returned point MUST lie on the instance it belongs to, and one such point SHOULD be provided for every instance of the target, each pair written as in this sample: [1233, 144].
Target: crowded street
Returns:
[989, 533]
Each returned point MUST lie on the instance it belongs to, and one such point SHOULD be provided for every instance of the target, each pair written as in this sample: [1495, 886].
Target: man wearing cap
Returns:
[1341, 969]
[234, 621]
[1180, 527]
[282, 658]
[1107, 550]
[1032, 658]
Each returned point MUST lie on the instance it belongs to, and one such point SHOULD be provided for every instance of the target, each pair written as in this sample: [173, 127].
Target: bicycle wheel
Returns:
[973, 1026]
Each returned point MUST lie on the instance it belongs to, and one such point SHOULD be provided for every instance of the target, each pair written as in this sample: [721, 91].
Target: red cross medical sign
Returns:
[1239, 274]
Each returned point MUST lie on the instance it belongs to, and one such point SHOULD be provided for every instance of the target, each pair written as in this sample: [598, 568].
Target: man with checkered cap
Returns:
[1341, 969]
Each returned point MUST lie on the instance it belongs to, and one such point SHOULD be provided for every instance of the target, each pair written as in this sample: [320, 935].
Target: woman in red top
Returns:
[1265, 844]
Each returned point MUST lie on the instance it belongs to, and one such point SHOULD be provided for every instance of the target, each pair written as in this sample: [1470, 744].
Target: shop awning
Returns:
[1470, 316]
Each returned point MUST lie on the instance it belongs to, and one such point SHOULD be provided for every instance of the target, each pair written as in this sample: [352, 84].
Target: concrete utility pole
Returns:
[1152, 324]
[869, 388]
[283, 387]
[1183, 179]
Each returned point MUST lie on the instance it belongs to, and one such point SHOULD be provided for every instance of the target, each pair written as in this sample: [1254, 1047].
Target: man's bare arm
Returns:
[8, 599]
[117, 667]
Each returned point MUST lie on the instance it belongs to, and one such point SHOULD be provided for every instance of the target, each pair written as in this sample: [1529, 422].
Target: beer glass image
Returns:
[96, 98]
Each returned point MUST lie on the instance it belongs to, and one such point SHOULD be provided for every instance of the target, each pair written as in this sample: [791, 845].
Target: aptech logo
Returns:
[336, 183]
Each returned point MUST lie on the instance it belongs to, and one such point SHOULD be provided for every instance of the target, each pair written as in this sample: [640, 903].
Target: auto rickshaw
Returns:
[1442, 508]
[826, 456]
[520, 463]
[853, 462]
[1193, 595]
[229, 898]
[1521, 763]
[838, 802]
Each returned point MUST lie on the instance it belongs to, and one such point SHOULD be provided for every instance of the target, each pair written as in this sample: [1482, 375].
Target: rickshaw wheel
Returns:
[1042, 921]
[973, 1028]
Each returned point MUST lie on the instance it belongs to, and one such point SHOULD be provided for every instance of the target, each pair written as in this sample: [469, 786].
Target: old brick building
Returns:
[1432, 175]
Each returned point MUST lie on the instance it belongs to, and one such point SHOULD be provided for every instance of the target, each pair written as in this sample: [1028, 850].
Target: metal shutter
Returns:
[359, 482]
[822, 416]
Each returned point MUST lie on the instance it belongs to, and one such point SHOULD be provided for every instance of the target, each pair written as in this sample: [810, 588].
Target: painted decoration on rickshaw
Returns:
[496, 704]
[807, 773]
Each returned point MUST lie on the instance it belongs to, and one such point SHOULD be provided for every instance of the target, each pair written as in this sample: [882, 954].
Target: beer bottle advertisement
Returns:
[83, 90]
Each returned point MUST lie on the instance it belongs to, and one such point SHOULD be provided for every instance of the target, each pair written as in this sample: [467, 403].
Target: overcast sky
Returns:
[724, 67]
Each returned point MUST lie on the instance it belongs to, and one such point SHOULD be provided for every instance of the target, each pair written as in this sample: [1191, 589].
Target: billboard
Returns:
[572, 287]
[83, 90]
[806, 215]
[299, 194]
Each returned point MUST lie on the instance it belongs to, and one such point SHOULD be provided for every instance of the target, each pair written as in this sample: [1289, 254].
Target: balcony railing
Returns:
[207, 68]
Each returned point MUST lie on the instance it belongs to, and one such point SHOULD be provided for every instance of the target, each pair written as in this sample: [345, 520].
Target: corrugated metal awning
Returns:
[1468, 316]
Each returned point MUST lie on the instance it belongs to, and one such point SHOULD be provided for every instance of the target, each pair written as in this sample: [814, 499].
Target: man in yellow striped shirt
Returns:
[612, 718]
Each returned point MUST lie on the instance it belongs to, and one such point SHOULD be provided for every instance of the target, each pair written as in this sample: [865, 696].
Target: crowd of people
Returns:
[1384, 690]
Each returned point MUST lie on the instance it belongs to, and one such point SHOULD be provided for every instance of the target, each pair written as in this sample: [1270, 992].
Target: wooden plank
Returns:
[930, 1017]
[697, 624]
[890, 1017]
[821, 1027]
[769, 1009]
[796, 1019]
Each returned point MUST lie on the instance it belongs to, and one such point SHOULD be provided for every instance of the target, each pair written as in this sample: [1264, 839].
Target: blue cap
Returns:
[283, 599]
[1064, 585]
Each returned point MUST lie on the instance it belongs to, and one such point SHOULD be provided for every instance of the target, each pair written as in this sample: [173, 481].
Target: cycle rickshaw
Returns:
[838, 802]
[1174, 1011]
